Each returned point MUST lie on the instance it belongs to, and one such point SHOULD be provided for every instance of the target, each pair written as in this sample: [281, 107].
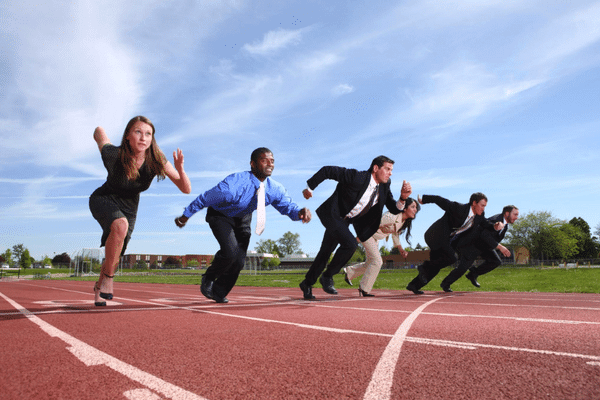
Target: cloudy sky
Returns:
[496, 96]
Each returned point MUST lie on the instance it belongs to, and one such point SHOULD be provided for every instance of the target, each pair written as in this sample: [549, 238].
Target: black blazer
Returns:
[489, 237]
[438, 234]
[352, 184]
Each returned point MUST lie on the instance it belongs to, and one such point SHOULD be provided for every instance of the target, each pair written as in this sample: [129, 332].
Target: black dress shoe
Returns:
[413, 289]
[221, 299]
[327, 283]
[206, 287]
[473, 278]
[422, 274]
[446, 288]
[307, 291]
[364, 294]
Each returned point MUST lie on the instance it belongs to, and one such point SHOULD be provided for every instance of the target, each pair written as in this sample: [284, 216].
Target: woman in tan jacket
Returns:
[390, 224]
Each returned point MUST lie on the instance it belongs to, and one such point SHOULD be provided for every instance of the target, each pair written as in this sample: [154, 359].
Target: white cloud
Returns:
[273, 41]
[342, 89]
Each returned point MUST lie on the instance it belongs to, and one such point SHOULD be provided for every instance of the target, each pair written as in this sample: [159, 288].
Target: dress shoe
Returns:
[348, 281]
[327, 283]
[473, 278]
[413, 289]
[307, 291]
[422, 274]
[220, 299]
[364, 294]
[206, 287]
[446, 288]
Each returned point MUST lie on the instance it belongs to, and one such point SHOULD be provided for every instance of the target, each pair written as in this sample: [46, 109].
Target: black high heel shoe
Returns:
[98, 303]
[364, 294]
[107, 296]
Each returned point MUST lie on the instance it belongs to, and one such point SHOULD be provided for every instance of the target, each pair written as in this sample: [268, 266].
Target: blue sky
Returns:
[494, 96]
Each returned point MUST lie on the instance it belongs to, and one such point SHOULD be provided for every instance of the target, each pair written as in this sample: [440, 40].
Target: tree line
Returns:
[549, 238]
[19, 256]
[545, 236]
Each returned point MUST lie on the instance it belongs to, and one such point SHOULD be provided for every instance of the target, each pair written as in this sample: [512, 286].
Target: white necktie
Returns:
[260, 209]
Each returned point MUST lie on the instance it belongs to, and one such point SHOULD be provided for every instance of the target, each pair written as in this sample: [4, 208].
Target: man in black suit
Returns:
[487, 246]
[358, 199]
[456, 228]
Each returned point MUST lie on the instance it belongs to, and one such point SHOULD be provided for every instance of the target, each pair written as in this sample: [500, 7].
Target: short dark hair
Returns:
[508, 209]
[379, 161]
[258, 152]
[477, 197]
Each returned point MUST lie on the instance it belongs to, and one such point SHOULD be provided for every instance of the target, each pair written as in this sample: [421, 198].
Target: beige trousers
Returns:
[368, 269]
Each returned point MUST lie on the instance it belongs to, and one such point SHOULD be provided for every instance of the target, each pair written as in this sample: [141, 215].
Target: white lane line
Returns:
[141, 394]
[474, 346]
[91, 356]
[380, 386]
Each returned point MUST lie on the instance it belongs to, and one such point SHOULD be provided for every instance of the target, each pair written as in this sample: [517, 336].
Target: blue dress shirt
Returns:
[235, 196]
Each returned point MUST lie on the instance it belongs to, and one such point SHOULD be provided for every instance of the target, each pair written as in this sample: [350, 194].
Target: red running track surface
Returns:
[156, 341]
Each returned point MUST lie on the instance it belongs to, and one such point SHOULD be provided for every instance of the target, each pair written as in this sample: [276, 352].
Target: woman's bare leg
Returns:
[112, 254]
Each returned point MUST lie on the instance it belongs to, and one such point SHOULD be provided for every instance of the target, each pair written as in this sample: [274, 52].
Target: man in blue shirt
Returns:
[230, 205]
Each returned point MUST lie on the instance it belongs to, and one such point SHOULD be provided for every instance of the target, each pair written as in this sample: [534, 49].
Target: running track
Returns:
[168, 341]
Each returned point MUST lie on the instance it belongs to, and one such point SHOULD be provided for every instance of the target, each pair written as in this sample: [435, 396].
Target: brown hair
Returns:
[155, 159]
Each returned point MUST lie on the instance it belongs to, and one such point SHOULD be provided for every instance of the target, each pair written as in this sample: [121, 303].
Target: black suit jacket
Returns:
[352, 184]
[489, 238]
[438, 234]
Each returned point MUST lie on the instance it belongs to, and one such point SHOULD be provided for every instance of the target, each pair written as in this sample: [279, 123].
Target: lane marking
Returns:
[380, 386]
[91, 356]
[141, 394]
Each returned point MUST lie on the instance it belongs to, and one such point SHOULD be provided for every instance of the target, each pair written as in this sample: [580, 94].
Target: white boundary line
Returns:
[91, 356]
[380, 386]
[382, 378]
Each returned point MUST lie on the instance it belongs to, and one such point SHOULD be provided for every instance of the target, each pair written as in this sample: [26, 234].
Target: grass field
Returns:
[503, 279]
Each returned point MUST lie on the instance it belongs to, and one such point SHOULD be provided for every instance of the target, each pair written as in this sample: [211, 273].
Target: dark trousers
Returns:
[333, 237]
[233, 235]
[468, 255]
[438, 259]
[491, 261]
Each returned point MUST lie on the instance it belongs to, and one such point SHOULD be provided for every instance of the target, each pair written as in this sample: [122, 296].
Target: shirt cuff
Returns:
[309, 189]
[400, 204]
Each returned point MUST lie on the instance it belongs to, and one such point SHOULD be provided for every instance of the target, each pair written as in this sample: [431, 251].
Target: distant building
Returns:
[130, 260]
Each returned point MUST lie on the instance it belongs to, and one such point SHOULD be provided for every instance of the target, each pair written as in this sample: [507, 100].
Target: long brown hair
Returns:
[155, 159]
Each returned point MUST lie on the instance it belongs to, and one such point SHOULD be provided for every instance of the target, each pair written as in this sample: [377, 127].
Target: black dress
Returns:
[118, 197]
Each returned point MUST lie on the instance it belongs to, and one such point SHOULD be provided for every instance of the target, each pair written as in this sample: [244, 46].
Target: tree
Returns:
[545, 236]
[18, 250]
[25, 261]
[587, 246]
[270, 262]
[384, 251]
[597, 231]
[288, 244]
[267, 246]
[7, 255]
[193, 263]
[172, 262]
[61, 259]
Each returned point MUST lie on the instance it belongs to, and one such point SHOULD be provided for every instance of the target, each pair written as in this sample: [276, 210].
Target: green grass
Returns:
[503, 279]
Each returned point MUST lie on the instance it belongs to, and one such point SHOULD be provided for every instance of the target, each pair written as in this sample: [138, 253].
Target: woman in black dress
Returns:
[131, 168]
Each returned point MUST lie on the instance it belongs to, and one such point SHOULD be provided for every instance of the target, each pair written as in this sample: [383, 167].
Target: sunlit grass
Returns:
[503, 279]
